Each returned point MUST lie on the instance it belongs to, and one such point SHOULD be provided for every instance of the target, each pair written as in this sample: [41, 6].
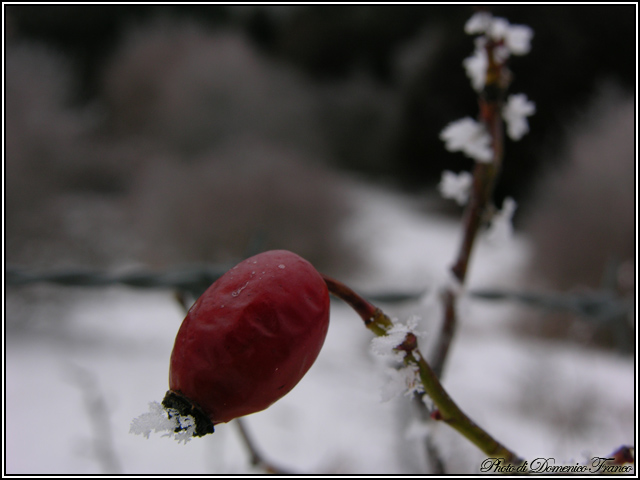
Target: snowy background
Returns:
[541, 398]
[192, 145]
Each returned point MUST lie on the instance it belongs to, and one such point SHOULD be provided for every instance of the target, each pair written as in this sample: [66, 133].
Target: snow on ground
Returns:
[541, 399]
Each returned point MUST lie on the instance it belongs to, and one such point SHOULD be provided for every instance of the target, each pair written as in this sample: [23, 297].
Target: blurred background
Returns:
[153, 136]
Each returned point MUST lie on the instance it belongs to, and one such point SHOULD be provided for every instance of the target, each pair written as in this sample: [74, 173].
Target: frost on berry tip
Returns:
[157, 419]
[177, 415]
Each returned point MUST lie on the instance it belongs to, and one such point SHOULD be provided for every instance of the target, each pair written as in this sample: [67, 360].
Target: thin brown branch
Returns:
[98, 412]
[447, 331]
[447, 410]
[257, 459]
[374, 319]
[484, 179]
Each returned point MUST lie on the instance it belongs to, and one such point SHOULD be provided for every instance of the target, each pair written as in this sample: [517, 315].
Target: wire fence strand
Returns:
[594, 305]
[191, 279]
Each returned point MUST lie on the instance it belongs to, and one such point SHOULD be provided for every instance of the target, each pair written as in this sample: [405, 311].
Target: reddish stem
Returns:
[374, 319]
[484, 178]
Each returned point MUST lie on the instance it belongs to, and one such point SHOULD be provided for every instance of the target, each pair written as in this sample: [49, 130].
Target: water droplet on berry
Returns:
[237, 292]
[281, 266]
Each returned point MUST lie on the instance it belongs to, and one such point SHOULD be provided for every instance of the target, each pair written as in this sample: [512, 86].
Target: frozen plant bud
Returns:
[470, 137]
[386, 344]
[456, 186]
[515, 113]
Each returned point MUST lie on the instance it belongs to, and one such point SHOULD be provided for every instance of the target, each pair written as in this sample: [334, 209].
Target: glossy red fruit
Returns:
[250, 338]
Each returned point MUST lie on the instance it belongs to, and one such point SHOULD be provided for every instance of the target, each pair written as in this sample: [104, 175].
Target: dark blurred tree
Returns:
[575, 49]
[88, 33]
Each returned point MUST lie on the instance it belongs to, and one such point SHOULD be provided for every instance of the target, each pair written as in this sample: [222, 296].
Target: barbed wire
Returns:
[595, 305]
[190, 279]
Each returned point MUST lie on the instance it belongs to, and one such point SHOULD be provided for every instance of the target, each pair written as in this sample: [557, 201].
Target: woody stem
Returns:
[379, 323]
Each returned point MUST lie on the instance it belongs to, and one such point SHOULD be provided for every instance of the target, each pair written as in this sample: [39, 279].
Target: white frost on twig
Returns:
[456, 186]
[385, 344]
[470, 137]
[476, 65]
[478, 23]
[517, 38]
[507, 39]
[404, 380]
[159, 419]
[515, 113]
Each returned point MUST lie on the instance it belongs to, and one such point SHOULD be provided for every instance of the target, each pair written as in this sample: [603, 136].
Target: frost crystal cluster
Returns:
[506, 40]
[158, 419]
[496, 41]
[456, 186]
[469, 137]
[405, 379]
[386, 344]
[515, 113]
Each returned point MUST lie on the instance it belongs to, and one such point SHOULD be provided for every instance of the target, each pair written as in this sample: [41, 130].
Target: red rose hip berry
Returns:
[249, 339]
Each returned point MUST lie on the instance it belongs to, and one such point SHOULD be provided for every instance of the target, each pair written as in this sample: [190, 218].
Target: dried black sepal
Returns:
[185, 407]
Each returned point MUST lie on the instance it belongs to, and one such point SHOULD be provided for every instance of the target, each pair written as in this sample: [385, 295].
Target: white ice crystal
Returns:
[392, 386]
[508, 40]
[406, 378]
[515, 113]
[401, 381]
[159, 419]
[385, 344]
[476, 66]
[517, 38]
[395, 335]
[456, 186]
[501, 228]
[470, 137]
[498, 28]
[478, 23]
